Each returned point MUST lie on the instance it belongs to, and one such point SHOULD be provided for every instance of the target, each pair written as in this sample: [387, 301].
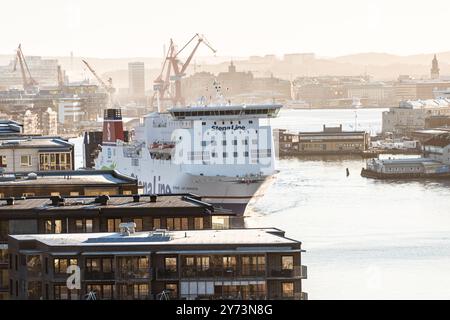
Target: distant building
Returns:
[411, 115]
[35, 153]
[332, 140]
[70, 110]
[437, 122]
[434, 69]
[298, 58]
[49, 123]
[438, 148]
[136, 79]
[193, 264]
[30, 123]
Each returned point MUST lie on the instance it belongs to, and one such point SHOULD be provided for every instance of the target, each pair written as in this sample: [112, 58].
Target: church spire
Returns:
[434, 68]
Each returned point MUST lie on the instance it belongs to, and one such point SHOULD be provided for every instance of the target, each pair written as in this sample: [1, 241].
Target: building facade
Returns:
[67, 183]
[136, 79]
[63, 215]
[35, 153]
[197, 264]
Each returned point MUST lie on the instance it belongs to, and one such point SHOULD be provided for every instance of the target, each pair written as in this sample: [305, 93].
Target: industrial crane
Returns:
[27, 81]
[107, 86]
[173, 70]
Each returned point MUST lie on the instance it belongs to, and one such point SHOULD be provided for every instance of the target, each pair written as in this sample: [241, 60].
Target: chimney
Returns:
[153, 198]
[136, 198]
[10, 201]
[112, 127]
[103, 199]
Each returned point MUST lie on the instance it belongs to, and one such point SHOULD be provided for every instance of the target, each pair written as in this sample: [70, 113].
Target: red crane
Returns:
[27, 81]
[173, 70]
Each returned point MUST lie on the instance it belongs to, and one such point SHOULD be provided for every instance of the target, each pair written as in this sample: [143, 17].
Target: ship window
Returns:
[224, 142]
[203, 123]
[203, 143]
[213, 154]
[245, 153]
[250, 121]
[234, 142]
[224, 154]
[235, 154]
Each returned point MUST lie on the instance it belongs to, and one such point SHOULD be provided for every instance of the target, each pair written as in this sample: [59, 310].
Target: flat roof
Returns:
[261, 236]
[81, 203]
[33, 142]
[67, 177]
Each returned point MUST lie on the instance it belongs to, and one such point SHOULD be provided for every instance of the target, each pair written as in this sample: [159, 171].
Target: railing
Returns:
[221, 273]
[99, 276]
[295, 272]
[163, 274]
[254, 296]
[134, 274]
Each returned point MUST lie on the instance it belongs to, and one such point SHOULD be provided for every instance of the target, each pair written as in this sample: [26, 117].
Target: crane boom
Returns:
[100, 81]
[27, 81]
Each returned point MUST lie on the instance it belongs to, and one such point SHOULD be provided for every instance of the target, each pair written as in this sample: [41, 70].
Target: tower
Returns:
[434, 68]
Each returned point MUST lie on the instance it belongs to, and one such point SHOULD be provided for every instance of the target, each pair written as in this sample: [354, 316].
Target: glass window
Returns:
[198, 223]
[107, 265]
[25, 160]
[3, 163]
[170, 264]
[58, 226]
[156, 223]
[89, 225]
[139, 224]
[189, 261]
[203, 263]
[287, 262]
[172, 289]
[184, 224]
[79, 226]
[113, 225]
[93, 264]
[74, 193]
[287, 289]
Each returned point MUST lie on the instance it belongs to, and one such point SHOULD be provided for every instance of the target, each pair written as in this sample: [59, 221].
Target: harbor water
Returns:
[364, 239]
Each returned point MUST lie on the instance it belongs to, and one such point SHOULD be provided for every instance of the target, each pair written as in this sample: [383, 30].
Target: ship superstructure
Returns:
[220, 152]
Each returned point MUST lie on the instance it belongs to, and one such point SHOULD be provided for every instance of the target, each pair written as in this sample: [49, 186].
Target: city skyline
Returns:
[138, 28]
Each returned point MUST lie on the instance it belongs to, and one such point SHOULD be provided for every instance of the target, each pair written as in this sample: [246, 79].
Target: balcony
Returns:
[136, 274]
[221, 273]
[163, 274]
[299, 272]
[99, 275]
[294, 296]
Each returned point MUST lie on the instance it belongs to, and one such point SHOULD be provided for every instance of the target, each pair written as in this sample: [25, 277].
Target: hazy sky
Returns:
[112, 28]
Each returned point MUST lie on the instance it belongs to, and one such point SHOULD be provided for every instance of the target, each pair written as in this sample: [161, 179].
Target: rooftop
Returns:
[33, 142]
[72, 177]
[83, 203]
[189, 237]
[425, 104]
[441, 140]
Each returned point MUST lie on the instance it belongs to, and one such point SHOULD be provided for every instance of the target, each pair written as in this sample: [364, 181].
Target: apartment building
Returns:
[129, 265]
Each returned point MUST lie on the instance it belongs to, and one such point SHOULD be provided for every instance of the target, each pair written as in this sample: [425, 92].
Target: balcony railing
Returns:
[125, 274]
[163, 274]
[221, 272]
[295, 272]
[253, 296]
[99, 275]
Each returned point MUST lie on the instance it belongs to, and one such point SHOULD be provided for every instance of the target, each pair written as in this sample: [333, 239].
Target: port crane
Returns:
[107, 86]
[173, 70]
[27, 80]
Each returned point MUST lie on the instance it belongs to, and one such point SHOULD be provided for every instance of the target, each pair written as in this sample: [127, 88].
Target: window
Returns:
[189, 261]
[89, 225]
[287, 262]
[28, 194]
[172, 288]
[177, 223]
[203, 263]
[246, 154]
[224, 155]
[198, 223]
[3, 163]
[74, 193]
[104, 291]
[54, 193]
[60, 265]
[234, 142]
[229, 262]
[235, 154]
[53, 226]
[58, 226]
[287, 289]
[25, 161]
[139, 224]
[61, 292]
[156, 223]
[127, 192]
[170, 264]
[113, 225]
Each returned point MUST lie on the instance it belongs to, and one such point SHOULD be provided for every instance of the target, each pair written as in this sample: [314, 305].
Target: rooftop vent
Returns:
[103, 199]
[127, 228]
[10, 201]
[32, 176]
[136, 198]
[153, 198]
[57, 200]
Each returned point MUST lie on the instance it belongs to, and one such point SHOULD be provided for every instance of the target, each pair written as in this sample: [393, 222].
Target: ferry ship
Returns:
[219, 152]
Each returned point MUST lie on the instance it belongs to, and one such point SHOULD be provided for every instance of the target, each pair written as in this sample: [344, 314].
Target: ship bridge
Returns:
[228, 111]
